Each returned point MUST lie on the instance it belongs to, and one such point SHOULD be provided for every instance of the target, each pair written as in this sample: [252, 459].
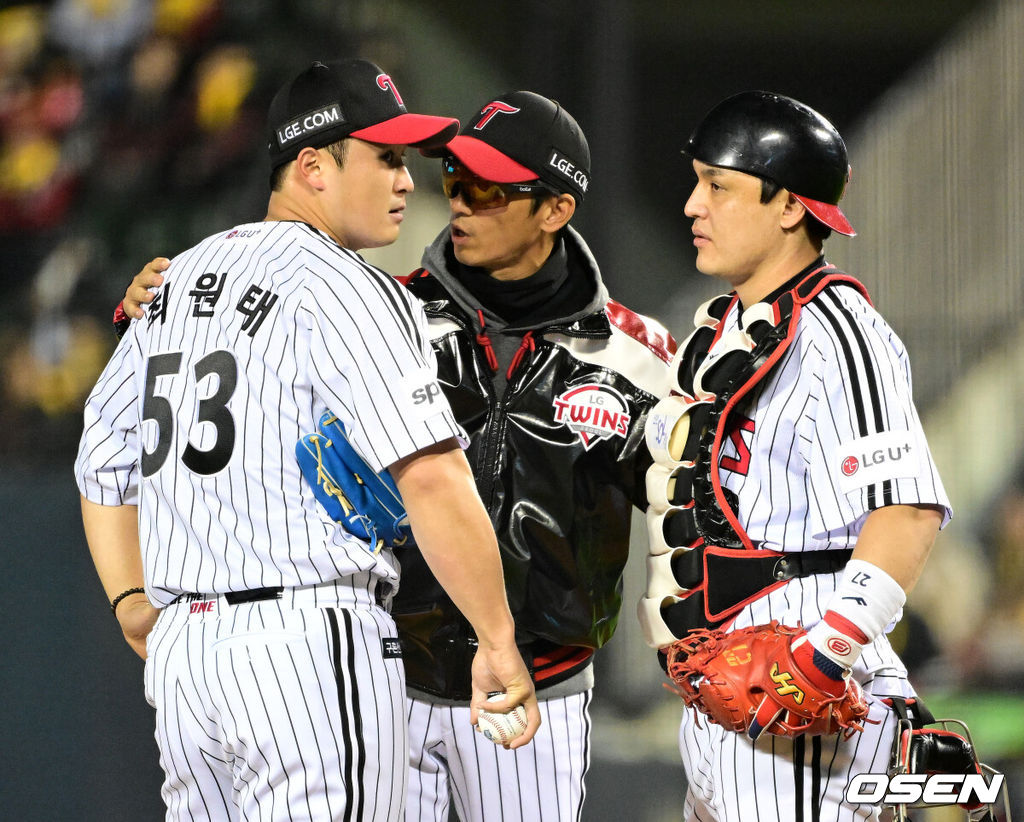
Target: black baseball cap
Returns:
[346, 98]
[521, 136]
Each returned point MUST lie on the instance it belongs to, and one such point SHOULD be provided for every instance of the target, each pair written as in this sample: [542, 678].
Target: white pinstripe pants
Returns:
[278, 710]
[540, 782]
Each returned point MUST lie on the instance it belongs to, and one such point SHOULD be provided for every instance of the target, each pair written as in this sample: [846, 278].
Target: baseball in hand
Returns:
[501, 728]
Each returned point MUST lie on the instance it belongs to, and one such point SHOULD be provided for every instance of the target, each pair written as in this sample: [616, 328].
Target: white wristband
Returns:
[868, 597]
[836, 645]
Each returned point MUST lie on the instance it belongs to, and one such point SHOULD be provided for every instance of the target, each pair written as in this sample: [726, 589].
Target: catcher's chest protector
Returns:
[723, 569]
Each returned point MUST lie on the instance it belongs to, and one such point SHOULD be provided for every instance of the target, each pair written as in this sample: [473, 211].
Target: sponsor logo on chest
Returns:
[594, 412]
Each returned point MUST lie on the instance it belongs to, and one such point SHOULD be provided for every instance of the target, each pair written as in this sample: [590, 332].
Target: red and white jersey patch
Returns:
[736, 453]
[595, 412]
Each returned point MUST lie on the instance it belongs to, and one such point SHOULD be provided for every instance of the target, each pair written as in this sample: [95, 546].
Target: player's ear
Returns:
[560, 210]
[309, 167]
[793, 212]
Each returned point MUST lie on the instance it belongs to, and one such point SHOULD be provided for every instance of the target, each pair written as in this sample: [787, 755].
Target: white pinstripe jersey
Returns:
[833, 433]
[254, 334]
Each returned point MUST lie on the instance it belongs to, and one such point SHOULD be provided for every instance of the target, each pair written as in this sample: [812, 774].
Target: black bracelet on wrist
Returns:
[122, 595]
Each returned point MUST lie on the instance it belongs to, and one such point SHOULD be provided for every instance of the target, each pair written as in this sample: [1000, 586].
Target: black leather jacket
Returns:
[559, 459]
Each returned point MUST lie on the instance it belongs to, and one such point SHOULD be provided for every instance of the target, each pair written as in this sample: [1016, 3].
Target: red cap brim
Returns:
[411, 130]
[828, 214]
[487, 162]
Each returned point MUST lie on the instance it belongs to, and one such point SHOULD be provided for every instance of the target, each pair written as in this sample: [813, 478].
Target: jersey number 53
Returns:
[213, 409]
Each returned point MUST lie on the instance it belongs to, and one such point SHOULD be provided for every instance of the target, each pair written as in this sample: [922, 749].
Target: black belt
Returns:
[234, 597]
[262, 594]
[255, 595]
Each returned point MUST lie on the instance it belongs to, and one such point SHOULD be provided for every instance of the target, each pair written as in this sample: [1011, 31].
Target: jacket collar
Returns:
[438, 257]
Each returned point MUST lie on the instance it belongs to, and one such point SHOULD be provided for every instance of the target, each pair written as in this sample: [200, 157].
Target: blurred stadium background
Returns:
[132, 128]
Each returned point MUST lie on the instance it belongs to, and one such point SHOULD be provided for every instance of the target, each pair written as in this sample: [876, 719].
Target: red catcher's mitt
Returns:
[733, 677]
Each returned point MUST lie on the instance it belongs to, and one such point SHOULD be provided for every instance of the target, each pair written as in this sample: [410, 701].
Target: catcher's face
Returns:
[511, 240]
[365, 199]
[736, 235]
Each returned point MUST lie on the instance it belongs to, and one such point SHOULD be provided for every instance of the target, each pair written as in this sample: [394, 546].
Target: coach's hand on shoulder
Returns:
[502, 669]
[137, 618]
[138, 293]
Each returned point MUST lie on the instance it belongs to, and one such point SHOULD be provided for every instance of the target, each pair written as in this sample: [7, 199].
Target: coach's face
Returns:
[505, 241]
[369, 194]
[734, 232]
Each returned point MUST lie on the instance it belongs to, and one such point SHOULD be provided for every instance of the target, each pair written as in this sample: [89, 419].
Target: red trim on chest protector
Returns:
[799, 301]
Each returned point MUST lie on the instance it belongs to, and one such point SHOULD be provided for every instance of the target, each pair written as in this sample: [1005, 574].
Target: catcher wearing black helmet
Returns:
[794, 500]
[782, 140]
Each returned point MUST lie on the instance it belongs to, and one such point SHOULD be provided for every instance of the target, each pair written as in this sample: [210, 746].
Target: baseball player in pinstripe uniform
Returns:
[273, 664]
[553, 382]
[811, 458]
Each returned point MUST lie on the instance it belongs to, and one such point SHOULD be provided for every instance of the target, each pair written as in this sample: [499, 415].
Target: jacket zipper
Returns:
[494, 427]
[497, 418]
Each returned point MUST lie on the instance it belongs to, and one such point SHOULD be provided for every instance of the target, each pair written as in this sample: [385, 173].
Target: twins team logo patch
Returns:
[739, 461]
[595, 412]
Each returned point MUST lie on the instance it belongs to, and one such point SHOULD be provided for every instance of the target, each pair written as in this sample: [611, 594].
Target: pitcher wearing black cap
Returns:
[811, 497]
[271, 658]
[552, 380]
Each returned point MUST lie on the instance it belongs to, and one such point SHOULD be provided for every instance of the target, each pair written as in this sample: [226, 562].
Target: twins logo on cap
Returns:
[492, 108]
[385, 83]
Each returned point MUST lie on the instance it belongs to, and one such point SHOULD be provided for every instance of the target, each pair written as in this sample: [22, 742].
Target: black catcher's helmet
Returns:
[777, 137]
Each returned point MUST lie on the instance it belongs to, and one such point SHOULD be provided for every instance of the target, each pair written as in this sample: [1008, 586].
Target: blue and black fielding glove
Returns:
[366, 503]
